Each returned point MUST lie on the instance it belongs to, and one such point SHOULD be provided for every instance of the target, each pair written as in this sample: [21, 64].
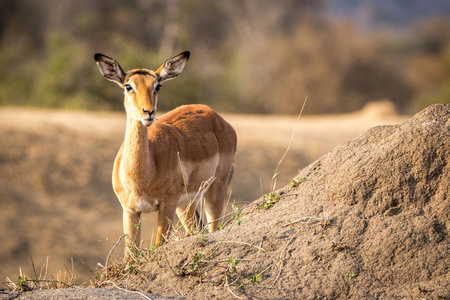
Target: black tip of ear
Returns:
[97, 56]
[187, 54]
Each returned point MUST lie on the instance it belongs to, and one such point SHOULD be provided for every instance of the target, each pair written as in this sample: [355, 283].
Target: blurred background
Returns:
[360, 63]
[247, 56]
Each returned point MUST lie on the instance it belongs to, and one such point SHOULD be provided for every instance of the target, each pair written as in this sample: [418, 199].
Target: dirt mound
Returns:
[379, 108]
[368, 220]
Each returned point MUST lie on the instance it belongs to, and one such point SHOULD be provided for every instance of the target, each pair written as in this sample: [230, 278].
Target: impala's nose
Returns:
[149, 117]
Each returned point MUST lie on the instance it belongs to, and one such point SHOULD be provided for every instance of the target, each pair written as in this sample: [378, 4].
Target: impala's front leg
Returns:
[131, 226]
[166, 215]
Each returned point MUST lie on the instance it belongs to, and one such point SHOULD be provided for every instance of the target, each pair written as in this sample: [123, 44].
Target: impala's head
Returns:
[141, 86]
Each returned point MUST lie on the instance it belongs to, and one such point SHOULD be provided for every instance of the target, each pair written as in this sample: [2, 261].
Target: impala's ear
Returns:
[173, 67]
[110, 68]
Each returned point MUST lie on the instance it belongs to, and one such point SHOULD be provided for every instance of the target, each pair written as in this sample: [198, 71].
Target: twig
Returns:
[168, 262]
[244, 243]
[228, 288]
[309, 219]
[225, 216]
[246, 204]
[10, 284]
[262, 272]
[125, 290]
[230, 191]
[282, 254]
[32, 264]
[287, 195]
[46, 268]
[110, 252]
[221, 242]
[230, 284]
[70, 273]
[204, 187]
[227, 260]
[257, 254]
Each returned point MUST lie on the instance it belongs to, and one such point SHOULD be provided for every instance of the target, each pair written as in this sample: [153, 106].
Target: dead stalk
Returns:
[274, 181]
[110, 252]
[228, 288]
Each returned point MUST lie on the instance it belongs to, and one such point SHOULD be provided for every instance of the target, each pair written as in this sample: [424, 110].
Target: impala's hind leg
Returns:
[189, 216]
[215, 198]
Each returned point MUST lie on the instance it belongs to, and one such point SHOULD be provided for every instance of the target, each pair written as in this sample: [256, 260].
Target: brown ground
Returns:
[381, 199]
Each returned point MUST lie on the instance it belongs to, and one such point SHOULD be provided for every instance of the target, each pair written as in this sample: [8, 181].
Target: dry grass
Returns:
[43, 281]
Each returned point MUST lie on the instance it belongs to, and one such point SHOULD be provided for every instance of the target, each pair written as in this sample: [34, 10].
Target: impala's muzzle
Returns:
[149, 117]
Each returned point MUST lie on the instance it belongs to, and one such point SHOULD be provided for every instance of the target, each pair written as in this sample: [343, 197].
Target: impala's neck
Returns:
[136, 153]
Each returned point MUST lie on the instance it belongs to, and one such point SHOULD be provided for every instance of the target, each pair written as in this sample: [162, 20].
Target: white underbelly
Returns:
[145, 206]
[199, 172]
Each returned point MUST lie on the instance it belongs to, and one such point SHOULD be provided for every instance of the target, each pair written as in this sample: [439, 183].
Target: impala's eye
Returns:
[158, 87]
[128, 87]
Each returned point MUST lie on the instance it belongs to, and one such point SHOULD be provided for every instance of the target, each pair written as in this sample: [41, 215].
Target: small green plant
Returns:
[296, 181]
[270, 200]
[349, 276]
[220, 227]
[22, 283]
[233, 265]
[152, 249]
[201, 240]
[132, 269]
[236, 214]
[196, 264]
[422, 290]
[256, 278]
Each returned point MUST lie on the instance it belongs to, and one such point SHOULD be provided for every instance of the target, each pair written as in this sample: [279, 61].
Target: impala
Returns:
[164, 161]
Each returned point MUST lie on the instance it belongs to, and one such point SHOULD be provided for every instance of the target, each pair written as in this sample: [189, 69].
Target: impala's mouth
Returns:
[147, 121]
[149, 118]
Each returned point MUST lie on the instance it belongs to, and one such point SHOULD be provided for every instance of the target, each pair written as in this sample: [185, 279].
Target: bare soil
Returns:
[370, 219]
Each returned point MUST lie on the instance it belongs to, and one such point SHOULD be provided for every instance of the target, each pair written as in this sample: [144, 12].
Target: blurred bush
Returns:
[247, 56]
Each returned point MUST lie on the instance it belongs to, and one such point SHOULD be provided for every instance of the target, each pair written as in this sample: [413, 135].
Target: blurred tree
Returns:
[169, 36]
[429, 63]
[251, 56]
